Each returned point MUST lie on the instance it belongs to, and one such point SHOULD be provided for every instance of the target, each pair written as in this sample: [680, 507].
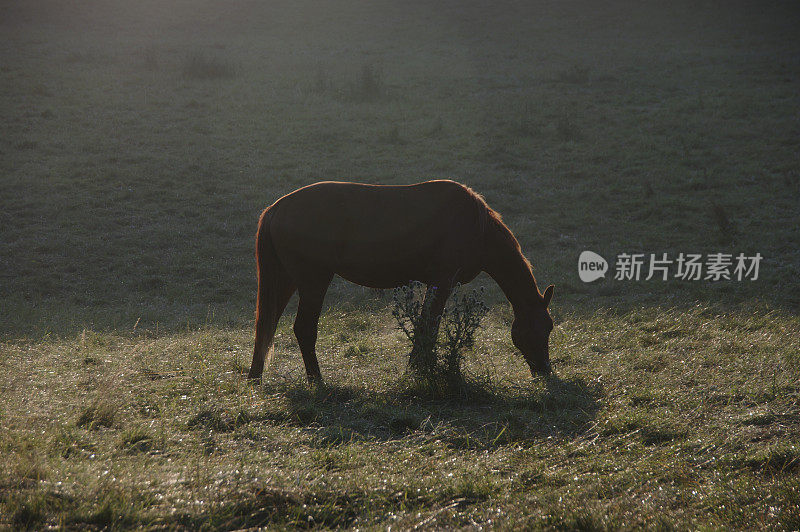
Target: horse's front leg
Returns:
[433, 306]
[306, 324]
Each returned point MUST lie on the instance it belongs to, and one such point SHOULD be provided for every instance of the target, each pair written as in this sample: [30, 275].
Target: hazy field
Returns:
[141, 140]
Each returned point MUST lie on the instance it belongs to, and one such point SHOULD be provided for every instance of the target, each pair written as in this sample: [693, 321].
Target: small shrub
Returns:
[412, 313]
[461, 321]
[461, 317]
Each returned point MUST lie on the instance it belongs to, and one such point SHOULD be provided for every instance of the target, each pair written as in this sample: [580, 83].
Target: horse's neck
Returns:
[504, 262]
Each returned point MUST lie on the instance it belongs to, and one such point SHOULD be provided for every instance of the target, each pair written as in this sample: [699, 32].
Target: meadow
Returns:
[142, 140]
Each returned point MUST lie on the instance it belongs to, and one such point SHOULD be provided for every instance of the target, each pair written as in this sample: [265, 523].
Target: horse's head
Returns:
[531, 334]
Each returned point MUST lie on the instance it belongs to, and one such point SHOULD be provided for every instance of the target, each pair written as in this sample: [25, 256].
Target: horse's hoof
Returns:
[315, 381]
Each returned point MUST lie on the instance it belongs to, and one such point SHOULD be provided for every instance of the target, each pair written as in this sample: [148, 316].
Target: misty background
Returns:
[141, 140]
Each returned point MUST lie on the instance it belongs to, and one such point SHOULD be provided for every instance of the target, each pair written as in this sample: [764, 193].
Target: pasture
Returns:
[141, 140]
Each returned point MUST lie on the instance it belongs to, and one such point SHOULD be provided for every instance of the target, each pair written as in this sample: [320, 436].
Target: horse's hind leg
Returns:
[275, 302]
[306, 324]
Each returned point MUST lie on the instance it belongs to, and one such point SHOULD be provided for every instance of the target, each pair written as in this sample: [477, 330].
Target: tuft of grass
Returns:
[323, 83]
[137, 440]
[726, 228]
[67, 443]
[29, 510]
[148, 59]
[575, 74]
[400, 425]
[583, 520]
[101, 414]
[567, 127]
[472, 489]
[111, 508]
[369, 84]
[661, 433]
[306, 415]
[201, 65]
[27, 145]
[357, 350]
[777, 459]
[527, 122]
[213, 419]
[392, 136]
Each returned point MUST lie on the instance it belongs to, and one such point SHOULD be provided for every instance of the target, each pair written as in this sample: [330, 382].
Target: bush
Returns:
[412, 313]
[461, 319]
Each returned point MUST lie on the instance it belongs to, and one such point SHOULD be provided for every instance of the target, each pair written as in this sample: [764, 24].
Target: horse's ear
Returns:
[548, 295]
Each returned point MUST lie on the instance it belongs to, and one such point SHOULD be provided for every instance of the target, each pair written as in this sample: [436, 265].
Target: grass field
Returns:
[141, 140]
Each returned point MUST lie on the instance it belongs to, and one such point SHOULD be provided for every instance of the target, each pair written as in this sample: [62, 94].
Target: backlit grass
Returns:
[697, 427]
[141, 140]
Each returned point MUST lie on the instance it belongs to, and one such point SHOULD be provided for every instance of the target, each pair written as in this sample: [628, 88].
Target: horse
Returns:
[440, 233]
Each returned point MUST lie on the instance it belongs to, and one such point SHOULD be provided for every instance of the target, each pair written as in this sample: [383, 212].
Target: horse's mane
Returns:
[489, 218]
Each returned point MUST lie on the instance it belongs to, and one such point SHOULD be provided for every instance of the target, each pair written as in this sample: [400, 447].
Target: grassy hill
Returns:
[141, 141]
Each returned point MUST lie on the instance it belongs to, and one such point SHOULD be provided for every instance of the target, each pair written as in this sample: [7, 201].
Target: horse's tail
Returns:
[271, 277]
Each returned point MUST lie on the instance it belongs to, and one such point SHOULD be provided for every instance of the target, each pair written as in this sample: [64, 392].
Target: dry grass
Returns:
[698, 426]
[141, 141]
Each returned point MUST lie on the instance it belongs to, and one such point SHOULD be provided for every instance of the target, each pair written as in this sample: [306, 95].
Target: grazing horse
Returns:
[438, 232]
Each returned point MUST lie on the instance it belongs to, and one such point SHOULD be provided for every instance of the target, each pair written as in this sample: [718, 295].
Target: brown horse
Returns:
[438, 232]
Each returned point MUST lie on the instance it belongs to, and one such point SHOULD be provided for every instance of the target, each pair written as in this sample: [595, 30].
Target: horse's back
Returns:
[376, 235]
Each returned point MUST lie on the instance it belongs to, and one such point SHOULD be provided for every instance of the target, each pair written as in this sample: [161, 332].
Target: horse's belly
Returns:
[374, 281]
[377, 264]
[383, 266]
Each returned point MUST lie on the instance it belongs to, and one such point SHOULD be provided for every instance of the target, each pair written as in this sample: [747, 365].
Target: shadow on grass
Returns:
[471, 414]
